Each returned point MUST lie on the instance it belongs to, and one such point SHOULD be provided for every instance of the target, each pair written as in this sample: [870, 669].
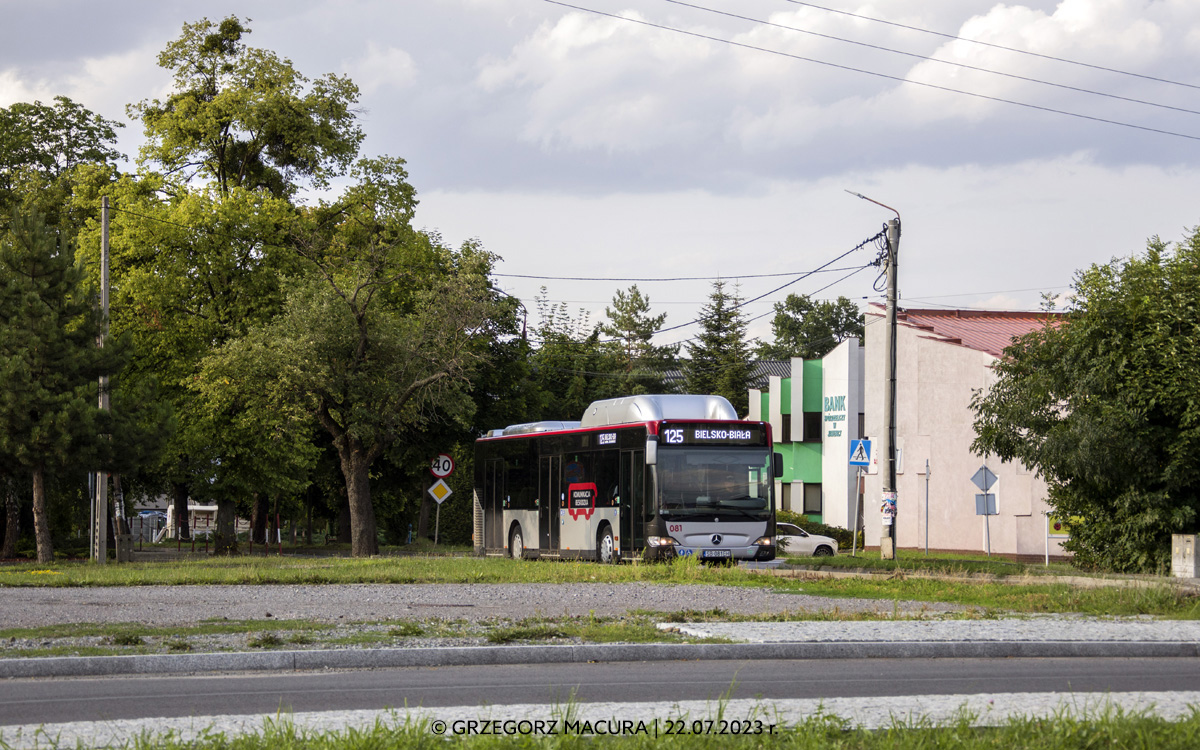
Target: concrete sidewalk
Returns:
[1033, 637]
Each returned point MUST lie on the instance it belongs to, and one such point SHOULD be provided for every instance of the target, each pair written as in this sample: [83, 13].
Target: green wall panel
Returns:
[806, 462]
[813, 390]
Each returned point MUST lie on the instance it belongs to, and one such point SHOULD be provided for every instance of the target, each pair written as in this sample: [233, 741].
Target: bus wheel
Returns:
[516, 545]
[606, 548]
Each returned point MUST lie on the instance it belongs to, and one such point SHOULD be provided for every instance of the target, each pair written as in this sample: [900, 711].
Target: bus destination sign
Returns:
[713, 434]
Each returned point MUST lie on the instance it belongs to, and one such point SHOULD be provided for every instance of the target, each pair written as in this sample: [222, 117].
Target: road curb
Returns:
[95, 666]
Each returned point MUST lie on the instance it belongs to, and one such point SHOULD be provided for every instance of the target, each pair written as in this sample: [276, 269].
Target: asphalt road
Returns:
[34, 701]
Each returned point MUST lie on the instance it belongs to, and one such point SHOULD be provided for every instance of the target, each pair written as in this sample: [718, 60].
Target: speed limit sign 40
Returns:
[442, 466]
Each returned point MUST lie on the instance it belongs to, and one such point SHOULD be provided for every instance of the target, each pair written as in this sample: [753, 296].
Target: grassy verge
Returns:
[945, 563]
[1028, 594]
[1112, 728]
[295, 571]
[993, 598]
[228, 635]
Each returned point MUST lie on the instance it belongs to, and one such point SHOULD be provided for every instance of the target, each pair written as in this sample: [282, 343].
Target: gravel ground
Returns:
[185, 605]
[364, 615]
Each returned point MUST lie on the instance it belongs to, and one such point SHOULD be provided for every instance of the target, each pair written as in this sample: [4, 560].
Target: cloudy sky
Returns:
[717, 138]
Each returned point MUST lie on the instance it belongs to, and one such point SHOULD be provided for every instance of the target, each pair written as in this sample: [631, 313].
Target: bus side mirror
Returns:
[777, 464]
[651, 452]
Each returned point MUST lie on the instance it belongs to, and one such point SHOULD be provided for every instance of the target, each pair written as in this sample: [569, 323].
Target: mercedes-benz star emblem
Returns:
[716, 539]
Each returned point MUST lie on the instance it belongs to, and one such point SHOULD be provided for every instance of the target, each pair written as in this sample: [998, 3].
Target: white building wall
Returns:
[935, 381]
[842, 391]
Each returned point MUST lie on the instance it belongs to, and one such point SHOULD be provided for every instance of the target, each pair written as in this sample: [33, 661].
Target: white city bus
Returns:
[656, 475]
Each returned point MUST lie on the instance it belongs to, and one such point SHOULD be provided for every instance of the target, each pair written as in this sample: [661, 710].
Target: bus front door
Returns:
[633, 501]
[549, 488]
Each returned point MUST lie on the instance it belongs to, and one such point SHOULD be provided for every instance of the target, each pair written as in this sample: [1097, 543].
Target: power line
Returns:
[994, 46]
[677, 278]
[852, 69]
[934, 59]
[782, 287]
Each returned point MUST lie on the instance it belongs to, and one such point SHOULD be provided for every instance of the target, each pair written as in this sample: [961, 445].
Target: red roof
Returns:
[984, 330]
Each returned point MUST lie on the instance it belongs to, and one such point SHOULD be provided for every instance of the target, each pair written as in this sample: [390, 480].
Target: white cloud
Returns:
[603, 83]
[585, 83]
[14, 87]
[382, 68]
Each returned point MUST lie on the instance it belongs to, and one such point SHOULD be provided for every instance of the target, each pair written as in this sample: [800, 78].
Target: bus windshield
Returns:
[704, 481]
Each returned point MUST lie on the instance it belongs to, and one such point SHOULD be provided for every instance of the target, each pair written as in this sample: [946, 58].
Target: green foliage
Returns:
[719, 357]
[190, 272]
[571, 366]
[631, 329]
[40, 147]
[808, 329]
[243, 117]
[378, 339]
[49, 362]
[1106, 407]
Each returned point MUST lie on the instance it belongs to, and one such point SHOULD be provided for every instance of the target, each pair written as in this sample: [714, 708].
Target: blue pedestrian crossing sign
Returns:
[860, 452]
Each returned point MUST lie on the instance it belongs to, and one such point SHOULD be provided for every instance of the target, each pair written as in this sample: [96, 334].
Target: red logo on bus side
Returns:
[581, 500]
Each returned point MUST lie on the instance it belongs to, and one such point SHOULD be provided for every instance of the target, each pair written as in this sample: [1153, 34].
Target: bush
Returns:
[843, 536]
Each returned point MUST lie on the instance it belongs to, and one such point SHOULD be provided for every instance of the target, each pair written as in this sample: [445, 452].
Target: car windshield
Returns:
[704, 481]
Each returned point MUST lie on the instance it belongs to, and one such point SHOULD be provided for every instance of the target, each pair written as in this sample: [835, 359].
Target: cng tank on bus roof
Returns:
[633, 409]
[529, 428]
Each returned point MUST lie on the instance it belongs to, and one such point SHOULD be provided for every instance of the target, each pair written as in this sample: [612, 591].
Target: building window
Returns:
[786, 437]
[785, 496]
[812, 426]
[812, 499]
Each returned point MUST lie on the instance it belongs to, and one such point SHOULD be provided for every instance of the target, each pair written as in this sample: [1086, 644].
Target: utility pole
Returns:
[887, 539]
[100, 512]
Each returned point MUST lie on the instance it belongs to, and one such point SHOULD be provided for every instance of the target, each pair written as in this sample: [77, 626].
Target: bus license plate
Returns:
[716, 553]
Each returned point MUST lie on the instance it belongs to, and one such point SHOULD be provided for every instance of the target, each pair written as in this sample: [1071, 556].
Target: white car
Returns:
[793, 540]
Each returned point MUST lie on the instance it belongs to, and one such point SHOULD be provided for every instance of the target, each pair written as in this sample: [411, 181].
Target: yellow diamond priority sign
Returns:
[440, 491]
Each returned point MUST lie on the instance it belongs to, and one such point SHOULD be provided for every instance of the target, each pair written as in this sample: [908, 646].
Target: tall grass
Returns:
[1110, 728]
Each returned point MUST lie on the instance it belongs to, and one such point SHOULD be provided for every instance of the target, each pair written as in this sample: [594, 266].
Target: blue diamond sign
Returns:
[984, 478]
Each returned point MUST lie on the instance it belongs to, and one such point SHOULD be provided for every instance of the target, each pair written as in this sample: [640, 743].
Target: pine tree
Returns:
[719, 361]
[49, 361]
[631, 329]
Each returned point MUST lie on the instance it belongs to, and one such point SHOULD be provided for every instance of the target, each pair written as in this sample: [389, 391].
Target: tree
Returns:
[52, 139]
[808, 329]
[12, 516]
[1106, 407]
[49, 362]
[46, 152]
[570, 367]
[264, 450]
[381, 337]
[191, 271]
[243, 117]
[631, 329]
[719, 357]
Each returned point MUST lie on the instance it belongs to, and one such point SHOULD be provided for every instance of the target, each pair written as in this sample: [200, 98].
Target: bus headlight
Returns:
[765, 541]
[660, 541]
